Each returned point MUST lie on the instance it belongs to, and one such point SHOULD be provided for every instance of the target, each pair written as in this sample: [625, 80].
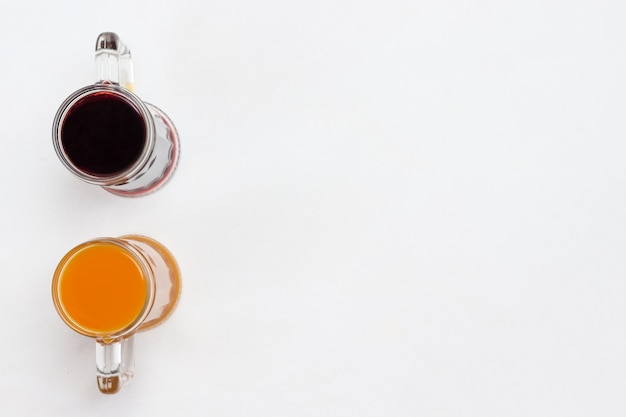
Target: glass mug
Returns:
[111, 288]
[106, 135]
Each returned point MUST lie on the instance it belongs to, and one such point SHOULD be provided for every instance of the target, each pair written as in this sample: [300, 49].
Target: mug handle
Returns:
[115, 363]
[113, 61]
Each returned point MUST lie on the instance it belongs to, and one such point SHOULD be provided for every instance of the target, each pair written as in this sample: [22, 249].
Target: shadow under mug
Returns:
[111, 288]
[106, 135]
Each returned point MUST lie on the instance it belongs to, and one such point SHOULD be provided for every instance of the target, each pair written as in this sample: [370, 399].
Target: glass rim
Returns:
[130, 98]
[146, 273]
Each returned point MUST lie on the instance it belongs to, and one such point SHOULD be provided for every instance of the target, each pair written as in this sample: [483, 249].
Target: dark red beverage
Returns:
[103, 134]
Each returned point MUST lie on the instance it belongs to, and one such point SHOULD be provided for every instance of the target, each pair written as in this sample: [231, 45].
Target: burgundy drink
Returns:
[103, 134]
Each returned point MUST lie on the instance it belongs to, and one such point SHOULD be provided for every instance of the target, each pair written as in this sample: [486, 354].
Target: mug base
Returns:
[172, 135]
[171, 279]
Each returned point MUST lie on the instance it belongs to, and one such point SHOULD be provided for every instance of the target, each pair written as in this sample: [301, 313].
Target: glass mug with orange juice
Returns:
[106, 135]
[111, 288]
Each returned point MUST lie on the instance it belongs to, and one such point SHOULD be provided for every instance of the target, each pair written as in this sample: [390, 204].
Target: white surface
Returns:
[399, 208]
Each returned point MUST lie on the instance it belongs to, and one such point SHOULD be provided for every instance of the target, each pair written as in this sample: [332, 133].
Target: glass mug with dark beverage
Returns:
[106, 135]
[111, 288]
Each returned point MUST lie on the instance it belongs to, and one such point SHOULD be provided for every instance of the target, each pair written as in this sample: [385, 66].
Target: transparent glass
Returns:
[159, 156]
[115, 348]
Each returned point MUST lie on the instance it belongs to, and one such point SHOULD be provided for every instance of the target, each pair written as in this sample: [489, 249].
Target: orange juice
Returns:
[101, 288]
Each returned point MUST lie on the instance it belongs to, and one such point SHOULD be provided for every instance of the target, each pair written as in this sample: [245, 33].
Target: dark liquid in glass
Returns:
[103, 134]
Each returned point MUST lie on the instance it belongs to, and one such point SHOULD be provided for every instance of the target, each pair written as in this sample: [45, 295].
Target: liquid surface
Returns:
[102, 288]
[103, 134]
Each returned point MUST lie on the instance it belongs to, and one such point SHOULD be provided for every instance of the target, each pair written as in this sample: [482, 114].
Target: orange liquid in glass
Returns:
[102, 288]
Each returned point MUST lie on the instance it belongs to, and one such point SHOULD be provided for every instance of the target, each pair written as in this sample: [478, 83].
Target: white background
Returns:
[382, 208]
